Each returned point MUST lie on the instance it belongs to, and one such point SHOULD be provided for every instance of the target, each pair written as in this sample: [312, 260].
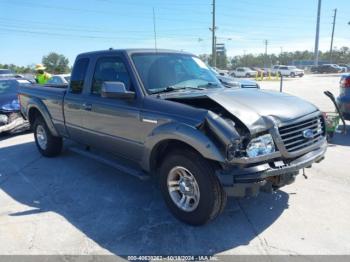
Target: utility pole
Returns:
[317, 32]
[213, 38]
[331, 49]
[154, 28]
[265, 60]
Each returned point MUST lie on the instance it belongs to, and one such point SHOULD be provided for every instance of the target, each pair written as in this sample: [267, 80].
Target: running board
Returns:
[111, 162]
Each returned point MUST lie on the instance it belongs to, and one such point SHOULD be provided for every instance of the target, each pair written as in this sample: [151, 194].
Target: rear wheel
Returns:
[47, 144]
[190, 187]
[292, 74]
[247, 75]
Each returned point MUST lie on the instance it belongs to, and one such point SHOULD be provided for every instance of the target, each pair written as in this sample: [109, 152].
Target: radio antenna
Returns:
[154, 29]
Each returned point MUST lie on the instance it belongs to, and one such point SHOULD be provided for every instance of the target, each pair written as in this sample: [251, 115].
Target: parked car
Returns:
[243, 72]
[347, 66]
[326, 68]
[6, 73]
[169, 116]
[343, 69]
[344, 96]
[11, 120]
[231, 82]
[59, 79]
[222, 72]
[291, 71]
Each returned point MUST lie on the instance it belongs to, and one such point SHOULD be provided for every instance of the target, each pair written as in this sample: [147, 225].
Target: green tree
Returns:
[56, 63]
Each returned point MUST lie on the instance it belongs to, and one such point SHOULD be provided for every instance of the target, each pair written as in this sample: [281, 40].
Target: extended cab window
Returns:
[78, 76]
[109, 69]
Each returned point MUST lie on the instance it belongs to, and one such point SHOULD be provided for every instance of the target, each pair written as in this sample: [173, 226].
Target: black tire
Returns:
[212, 198]
[53, 144]
[292, 74]
[247, 75]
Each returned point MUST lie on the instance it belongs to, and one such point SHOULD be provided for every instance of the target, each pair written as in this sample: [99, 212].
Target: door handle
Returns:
[87, 106]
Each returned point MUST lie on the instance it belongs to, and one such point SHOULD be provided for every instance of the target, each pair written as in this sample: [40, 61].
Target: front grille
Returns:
[293, 137]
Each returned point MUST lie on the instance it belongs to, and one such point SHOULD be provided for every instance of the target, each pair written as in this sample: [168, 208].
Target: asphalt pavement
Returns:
[74, 205]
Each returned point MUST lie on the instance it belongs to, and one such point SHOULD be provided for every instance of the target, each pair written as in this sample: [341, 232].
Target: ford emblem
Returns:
[308, 133]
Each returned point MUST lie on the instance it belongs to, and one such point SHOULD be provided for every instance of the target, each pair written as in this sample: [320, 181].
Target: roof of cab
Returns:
[132, 51]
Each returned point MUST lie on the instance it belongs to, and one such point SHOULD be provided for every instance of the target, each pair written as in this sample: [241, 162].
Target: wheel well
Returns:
[32, 115]
[160, 151]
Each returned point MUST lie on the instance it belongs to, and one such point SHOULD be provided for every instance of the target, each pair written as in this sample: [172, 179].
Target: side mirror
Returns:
[116, 90]
[222, 74]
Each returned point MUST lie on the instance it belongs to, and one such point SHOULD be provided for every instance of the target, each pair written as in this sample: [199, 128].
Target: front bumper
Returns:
[248, 181]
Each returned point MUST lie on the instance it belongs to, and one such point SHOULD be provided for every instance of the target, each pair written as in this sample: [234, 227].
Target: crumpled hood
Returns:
[254, 107]
[251, 106]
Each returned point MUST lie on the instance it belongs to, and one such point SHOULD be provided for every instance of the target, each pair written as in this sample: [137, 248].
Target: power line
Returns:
[80, 10]
[155, 32]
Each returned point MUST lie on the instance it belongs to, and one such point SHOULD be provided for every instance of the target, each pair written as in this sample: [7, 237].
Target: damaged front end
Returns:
[262, 151]
[11, 120]
[263, 161]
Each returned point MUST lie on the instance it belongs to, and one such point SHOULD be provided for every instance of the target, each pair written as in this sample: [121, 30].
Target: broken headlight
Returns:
[261, 145]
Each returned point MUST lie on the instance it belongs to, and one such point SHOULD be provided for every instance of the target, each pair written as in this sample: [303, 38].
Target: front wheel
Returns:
[247, 75]
[190, 188]
[47, 144]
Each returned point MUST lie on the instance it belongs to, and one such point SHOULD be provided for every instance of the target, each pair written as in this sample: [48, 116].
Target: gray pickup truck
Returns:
[164, 113]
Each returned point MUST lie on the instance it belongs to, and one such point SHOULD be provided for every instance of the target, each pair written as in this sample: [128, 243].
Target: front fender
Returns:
[183, 133]
[37, 104]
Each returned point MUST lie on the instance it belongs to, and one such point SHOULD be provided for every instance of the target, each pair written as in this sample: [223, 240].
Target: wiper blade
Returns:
[174, 88]
[209, 84]
[166, 89]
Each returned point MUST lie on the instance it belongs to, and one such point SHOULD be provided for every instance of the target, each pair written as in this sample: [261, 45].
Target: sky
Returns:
[30, 29]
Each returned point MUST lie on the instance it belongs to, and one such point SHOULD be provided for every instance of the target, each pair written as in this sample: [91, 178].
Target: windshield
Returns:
[67, 78]
[292, 67]
[160, 72]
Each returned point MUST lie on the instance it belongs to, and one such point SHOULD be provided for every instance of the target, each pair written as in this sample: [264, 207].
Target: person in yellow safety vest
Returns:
[41, 76]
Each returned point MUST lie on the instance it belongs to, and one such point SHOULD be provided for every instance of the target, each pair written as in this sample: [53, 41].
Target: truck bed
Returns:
[51, 96]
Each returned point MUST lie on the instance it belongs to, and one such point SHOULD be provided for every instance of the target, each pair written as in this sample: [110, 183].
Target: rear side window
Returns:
[78, 75]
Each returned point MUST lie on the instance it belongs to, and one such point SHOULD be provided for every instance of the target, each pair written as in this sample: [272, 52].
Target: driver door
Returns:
[113, 124]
